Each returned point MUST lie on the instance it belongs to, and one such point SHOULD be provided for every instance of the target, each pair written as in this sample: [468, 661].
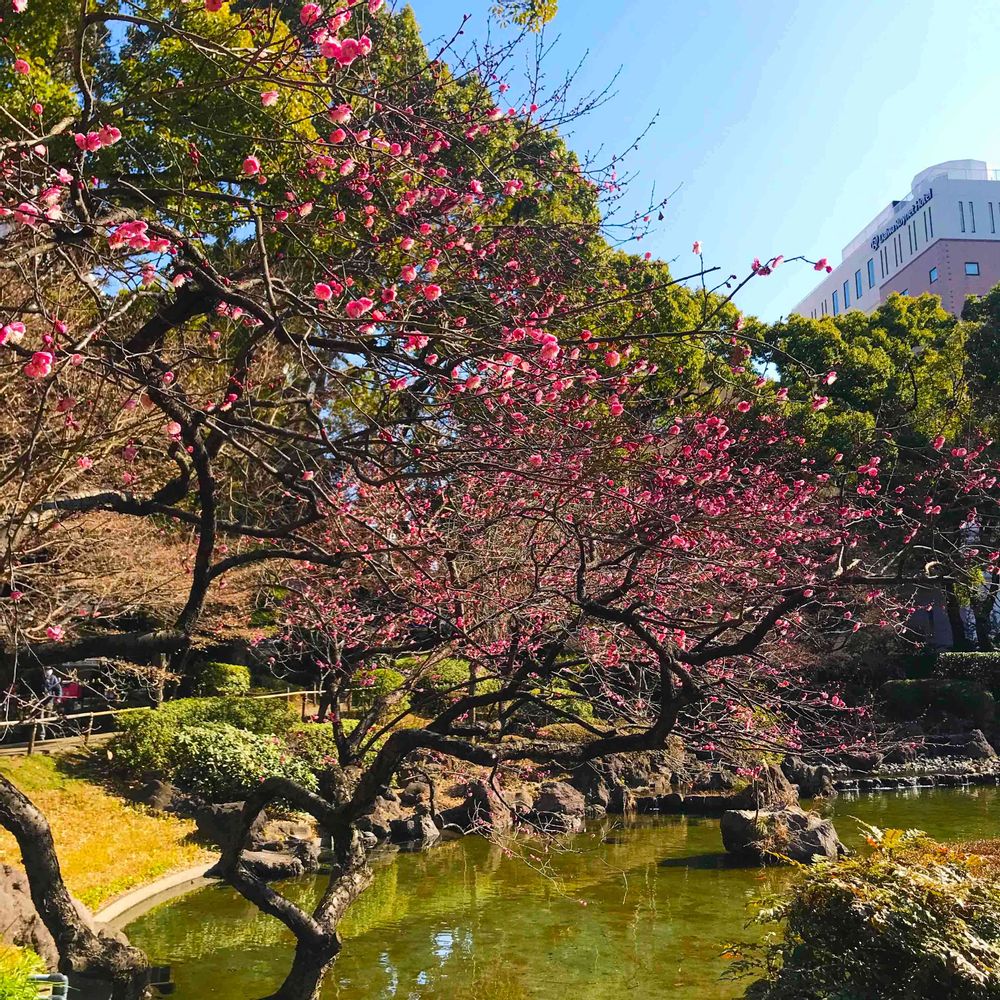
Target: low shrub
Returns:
[314, 744]
[222, 763]
[379, 683]
[146, 738]
[911, 921]
[224, 679]
[983, 668]
[910, 699]
[445, 682]
[16, 965]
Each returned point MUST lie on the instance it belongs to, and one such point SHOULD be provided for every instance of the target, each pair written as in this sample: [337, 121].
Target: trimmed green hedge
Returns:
[224, 679]
[909, 700]
[982, 667]
[146, 738]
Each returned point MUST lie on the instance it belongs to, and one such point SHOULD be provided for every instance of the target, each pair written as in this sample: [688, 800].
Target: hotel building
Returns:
[943, 238]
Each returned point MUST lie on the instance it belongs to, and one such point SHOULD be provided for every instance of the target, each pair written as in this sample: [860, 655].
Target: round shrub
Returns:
[224, 679]
[223, 764]
[379, 683]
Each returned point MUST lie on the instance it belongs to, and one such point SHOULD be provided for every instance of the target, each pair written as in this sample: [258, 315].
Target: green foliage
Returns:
[981, 667]
[910, 699]
[223, 763]
[145, 742]
[314, 744]
[224, 679]
[380, 683]
[910, 921]
[533, 14]
[900, 368]
[16, 965]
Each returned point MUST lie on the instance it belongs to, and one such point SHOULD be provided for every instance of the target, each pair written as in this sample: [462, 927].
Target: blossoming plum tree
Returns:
[285, 290]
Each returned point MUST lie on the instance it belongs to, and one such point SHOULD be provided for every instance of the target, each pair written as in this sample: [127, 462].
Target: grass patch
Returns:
[106, 846]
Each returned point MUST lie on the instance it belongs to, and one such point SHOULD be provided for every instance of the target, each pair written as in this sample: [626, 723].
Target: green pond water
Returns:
[641, 910]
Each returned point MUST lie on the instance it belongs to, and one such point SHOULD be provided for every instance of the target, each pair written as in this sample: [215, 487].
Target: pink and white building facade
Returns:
[942, 238]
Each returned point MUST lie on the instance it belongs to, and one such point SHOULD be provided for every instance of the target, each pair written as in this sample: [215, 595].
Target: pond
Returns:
[639, 909]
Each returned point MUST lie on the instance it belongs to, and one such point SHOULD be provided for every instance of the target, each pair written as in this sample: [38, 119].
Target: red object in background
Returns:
[71, 691]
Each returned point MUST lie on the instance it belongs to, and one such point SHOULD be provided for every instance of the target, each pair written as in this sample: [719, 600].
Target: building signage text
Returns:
[898, 223]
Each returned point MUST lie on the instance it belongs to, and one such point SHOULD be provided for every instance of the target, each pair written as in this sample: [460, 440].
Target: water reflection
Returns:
[641, 911]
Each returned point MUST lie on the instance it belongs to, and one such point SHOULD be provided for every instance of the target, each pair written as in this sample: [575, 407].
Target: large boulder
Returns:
[380, 817]
[21, 925]
[865, 763]
[268, 866]
[967, 746]
[558, 808]
[415, 793]
[218, 822]
[482, 812]
[159, 795]
[608, 784]
[813, 780]
[786, 833]
[418, 830]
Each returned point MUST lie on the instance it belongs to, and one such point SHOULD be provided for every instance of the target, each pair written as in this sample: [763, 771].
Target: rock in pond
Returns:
[559, 808]
[418, 830]
[791, 833]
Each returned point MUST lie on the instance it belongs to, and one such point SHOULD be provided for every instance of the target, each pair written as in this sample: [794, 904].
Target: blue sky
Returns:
[788, 125]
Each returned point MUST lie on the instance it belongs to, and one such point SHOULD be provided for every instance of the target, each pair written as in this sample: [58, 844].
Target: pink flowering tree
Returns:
[288, 299]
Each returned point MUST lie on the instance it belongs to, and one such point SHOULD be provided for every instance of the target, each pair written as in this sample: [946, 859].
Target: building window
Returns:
[930, 219]
[972, 217]
[905, 291]
[993, 224]
[858, 285]
[871, 272]
[926, 237]
[836, 307]
[961, 216]
[847, 295]
[971, 268]
[933, 275]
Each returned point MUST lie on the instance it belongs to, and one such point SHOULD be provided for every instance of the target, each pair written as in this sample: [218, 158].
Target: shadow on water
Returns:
[640, 910]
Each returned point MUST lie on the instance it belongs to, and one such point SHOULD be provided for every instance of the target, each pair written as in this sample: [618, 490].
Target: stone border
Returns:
[133, 904]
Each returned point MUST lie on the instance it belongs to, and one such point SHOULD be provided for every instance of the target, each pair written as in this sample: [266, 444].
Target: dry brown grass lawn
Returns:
[106, 846]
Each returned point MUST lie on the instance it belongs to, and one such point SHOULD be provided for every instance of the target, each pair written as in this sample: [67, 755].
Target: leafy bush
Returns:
[911, 699]
[16, 965]
[147, 737]
[911, 921]
[445, 682]
[224, 679]
[223, 763]
[379, 683]
[315, 745]
[983, 668]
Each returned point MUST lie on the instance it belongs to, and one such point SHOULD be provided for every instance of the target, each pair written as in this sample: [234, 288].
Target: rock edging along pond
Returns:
[641, 907]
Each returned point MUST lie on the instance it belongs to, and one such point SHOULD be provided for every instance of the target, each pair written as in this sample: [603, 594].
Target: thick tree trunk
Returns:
[310, 966]
[959, 637]
[80, 949]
